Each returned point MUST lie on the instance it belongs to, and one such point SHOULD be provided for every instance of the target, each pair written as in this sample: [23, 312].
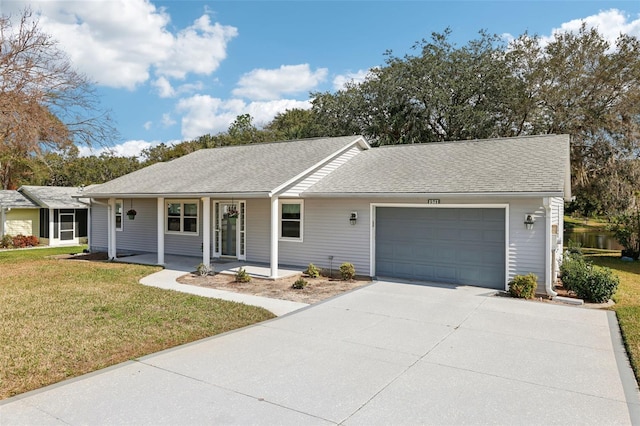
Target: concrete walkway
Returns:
[388, 353]
[176, 266]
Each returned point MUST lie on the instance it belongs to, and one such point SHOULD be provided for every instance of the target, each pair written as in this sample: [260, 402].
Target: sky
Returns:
[170, 71]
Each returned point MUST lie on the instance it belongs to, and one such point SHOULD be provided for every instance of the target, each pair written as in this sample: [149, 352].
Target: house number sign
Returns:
[433, 201]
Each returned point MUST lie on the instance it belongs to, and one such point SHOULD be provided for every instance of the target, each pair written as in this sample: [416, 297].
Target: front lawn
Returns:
[64, 318]
[627, 300]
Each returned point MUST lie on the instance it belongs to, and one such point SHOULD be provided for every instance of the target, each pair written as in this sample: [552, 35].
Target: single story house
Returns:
[471, 212]
[51, 213]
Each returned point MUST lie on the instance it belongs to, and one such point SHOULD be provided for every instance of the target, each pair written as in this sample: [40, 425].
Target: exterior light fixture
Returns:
[529, 221]
[353, 218]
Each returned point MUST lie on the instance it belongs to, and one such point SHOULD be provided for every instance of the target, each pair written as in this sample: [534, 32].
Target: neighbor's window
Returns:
[291, 220]
[182, 217]
[118, 215]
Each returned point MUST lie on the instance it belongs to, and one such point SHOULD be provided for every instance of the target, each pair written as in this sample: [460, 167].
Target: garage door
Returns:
[459, 246]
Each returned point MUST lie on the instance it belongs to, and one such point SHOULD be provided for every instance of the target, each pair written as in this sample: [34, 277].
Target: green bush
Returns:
[205, 270]
[589, 282]
[599, 285]
[242, 276]
[312, 271]
[299, 284]
[347, 271]
[574, 247]
[574, 271]
[6, 242]
[523, 286]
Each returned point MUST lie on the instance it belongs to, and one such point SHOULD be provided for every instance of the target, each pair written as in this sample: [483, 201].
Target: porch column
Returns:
[206, 230]
[160, 231]
[2, 220]
[274, 238]
[50, 224]
[112, 250]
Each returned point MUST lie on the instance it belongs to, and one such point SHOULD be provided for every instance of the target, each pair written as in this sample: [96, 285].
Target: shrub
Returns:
[589, 282]
[242, 276]
[574, 247]
[299, 284]
[312, 271]
[574, 271]
[22, 241]
[205, 270]
[599, 285]
[347, 271]
[6, 242]
[523, 286]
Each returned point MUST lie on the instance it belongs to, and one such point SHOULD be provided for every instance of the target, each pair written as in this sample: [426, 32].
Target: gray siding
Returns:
[327, 232]
[138, 235]
[98, 230]
[258, 225]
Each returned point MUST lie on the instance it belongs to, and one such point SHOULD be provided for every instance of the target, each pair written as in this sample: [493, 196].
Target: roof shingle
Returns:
[255, 168]
[502, 165]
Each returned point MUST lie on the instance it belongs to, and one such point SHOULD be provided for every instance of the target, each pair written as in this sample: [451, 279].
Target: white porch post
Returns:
[51, 229]
[112, 250]
[160, 230]
[274, 237]
[206, 230]
[2, 220]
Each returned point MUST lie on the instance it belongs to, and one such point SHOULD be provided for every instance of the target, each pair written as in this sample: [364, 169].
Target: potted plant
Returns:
[232, 214]
[131, 214]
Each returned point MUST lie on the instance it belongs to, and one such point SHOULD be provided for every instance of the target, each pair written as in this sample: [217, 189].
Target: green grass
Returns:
[585, 224]
[64, 318]
[627, 300]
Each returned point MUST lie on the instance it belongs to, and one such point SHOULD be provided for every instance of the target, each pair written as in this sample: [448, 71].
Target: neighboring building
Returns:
[468, 212]
[53, 214]
[18, 214]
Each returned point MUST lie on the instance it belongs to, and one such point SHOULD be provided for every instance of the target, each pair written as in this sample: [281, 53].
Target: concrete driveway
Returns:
[389, 353]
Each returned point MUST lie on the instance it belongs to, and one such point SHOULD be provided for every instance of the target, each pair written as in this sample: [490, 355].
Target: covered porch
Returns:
[188, 264]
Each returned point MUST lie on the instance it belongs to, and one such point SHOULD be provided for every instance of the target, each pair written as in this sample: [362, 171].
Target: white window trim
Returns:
[121, 214]
[182, 202]
[280, 237]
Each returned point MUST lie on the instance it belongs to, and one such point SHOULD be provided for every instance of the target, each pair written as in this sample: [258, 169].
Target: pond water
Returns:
[592, 239]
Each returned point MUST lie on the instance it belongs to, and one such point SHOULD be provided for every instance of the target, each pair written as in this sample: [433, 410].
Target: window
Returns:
[119, 215]
[291, 220]
[182, 217]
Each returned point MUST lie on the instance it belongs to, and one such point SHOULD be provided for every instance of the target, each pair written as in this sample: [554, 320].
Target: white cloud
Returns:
[131, 148]
[205, 114]
[147, 125]
[118, 42]
[167, 120]
[197, 49]
[165, 90]
[609, 23]
[339, 81]
[262, 84]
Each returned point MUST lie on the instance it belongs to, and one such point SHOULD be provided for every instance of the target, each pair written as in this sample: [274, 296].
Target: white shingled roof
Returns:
[532, 164]
[54, 197]
[15, 200]
[244, 169]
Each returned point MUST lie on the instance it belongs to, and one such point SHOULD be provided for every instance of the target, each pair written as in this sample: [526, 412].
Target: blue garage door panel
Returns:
[458, 246]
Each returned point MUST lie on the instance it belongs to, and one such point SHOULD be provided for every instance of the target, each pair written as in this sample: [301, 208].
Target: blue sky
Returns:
[174, 70]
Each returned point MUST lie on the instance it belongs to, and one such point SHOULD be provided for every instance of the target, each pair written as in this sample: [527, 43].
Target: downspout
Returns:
[548, 285]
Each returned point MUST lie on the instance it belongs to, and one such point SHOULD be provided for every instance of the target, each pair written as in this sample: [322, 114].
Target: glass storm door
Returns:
[67, 230]
[229, 237]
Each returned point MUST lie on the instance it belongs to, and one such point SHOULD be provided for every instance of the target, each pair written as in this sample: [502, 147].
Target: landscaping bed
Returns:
[317, 289]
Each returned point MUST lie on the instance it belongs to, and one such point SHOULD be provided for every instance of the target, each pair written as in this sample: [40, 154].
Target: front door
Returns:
[67, 228]
[229, 238]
